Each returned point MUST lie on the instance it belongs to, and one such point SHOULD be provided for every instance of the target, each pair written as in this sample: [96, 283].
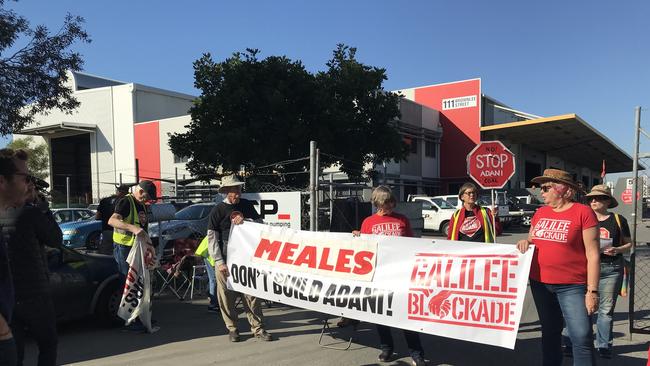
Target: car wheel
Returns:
[526, 220]
[445, 228]
[92, 242]
[108, 304]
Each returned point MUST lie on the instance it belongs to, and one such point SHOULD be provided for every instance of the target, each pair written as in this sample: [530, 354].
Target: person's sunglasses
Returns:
[546, 188]
[470, 193]
[598, 198]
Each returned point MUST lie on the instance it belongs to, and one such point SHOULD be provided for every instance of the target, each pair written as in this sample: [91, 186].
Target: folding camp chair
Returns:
[174, 278]
[175, 264]
[200, 275]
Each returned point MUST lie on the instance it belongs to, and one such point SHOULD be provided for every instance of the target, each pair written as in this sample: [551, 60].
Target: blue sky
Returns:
[543, 57]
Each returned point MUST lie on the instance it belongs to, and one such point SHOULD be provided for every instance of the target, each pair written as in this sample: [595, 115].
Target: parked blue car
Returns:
[80, 234]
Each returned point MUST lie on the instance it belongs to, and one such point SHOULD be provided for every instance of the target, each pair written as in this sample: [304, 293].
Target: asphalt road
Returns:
[189, 336]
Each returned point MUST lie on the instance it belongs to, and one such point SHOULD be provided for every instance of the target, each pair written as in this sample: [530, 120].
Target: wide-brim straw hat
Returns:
[603, 190]
[230, 181]
[557, 176]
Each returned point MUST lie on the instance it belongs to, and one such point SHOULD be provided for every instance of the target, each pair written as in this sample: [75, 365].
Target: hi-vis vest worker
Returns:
[202, 251]
[125, 237]
[129, 221]
[488, 235]
[472, 222]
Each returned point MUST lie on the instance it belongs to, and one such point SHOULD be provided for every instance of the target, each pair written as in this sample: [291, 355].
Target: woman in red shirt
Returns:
[387, 222]
[566, 267]
[472, 222]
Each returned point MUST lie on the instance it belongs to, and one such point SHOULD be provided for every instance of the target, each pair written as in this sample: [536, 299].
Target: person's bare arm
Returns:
[592, 252]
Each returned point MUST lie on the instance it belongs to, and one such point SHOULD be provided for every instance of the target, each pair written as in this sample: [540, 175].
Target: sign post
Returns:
[490, 164]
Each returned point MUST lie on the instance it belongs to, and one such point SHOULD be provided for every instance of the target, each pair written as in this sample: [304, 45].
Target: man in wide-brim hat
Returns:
[232, 210]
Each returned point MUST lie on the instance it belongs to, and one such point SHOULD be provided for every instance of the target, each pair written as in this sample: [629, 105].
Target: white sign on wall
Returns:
[277, 208]
[459, 102]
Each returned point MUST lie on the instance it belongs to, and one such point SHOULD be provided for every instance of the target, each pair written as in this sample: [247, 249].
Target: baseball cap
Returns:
[150, 188]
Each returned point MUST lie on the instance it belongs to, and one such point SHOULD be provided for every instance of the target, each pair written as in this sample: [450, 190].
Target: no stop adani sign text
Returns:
[490, 164]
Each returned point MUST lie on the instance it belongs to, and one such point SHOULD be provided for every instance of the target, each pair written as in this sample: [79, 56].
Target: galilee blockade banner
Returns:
[468, 291]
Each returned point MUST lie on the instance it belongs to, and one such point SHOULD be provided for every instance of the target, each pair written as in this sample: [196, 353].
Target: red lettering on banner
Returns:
[266, 246]
[470, 290]
[340, 260]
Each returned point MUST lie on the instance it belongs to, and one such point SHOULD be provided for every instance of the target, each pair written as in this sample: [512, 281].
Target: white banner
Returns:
[468, 291]
[136, 299]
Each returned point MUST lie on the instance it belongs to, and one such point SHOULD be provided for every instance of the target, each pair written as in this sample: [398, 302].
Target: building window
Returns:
[430, 149]
[414, 146]
[180, 159]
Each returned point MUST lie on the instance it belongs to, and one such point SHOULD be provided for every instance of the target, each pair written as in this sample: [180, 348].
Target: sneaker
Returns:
[213, 308]
[135, 327]
[233, 336]
[386, 355]
[567, 351]
[418, 361]
[264, 335]
[605, 353]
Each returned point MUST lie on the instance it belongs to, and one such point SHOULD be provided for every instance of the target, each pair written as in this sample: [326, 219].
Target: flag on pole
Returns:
[602, 172]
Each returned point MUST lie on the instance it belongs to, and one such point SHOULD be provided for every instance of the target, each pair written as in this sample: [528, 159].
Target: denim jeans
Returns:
[212, 282]
[558, 305]
[120, 253]
[412, 340]
[611, 275]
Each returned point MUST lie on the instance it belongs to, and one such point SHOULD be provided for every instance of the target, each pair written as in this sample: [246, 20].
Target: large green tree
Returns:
[39, 155]
[33, 65]
[253, 113]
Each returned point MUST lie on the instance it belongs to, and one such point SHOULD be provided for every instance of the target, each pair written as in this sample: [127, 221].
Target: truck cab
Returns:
[436, 212]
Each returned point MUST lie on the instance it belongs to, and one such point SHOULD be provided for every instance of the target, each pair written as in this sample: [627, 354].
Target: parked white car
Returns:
[452, 199]
[436, 212]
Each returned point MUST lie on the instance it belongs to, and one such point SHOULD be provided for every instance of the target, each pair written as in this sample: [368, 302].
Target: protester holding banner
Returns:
[472, 222]
[232, 210]
[614, 241]
[128, 221]
[565, 270]
[387, 222]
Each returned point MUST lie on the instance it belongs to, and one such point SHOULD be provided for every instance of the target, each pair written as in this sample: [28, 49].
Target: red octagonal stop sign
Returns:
[490, 164]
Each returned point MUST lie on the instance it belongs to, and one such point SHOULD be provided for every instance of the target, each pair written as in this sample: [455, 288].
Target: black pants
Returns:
[38, 318]
[412, 340]
[8, 352]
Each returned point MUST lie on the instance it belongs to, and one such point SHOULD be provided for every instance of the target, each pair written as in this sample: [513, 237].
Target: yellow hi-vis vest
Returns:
[202, 251]
[125, 237]
[488, 230]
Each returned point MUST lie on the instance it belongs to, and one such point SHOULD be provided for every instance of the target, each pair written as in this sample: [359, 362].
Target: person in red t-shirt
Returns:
[566, 268]
[388, 222]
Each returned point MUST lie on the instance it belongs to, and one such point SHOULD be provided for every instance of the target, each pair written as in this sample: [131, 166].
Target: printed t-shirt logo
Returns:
[604, 233]
[470, 226]
[552, 230]
[387, 228]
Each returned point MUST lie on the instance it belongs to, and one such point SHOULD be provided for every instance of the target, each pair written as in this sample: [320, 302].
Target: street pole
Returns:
[635, 170]
[137, 171]
[67, 191]
[120, 178]
[312, 186]
[317, 174]
[176, 182]
[331, 197]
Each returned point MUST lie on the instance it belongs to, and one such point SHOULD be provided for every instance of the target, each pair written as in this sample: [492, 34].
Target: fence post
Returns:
[635, 187]
[67, 191]
[313, 171]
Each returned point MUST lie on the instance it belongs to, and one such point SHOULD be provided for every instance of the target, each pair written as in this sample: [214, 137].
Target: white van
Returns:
[436, 212]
